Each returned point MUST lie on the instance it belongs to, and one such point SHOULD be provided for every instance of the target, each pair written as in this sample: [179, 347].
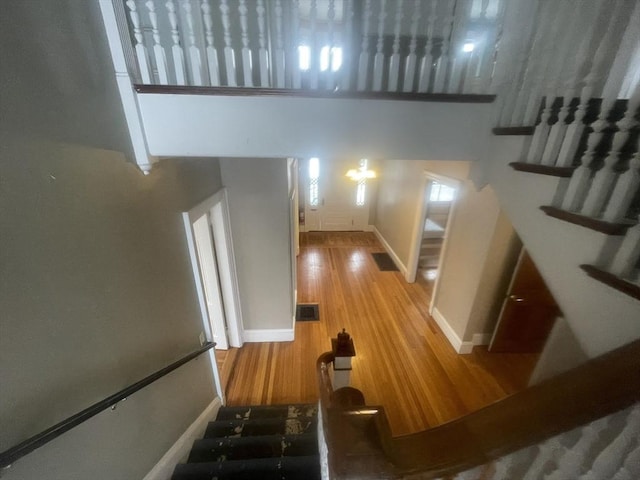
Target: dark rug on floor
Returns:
[384, 262]
[307, 312]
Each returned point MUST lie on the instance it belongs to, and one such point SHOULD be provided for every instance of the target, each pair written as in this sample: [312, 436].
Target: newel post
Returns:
[343, 350]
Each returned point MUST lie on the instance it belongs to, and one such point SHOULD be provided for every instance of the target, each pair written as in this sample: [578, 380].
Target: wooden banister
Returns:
[361, 445]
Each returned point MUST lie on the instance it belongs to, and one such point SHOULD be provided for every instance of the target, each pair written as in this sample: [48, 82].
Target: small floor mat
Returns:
[384, 262]
[307, 312]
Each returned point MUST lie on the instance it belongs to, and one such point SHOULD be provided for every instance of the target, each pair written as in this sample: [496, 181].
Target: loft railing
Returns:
[424, 46]
[16, 452]
[522, 433]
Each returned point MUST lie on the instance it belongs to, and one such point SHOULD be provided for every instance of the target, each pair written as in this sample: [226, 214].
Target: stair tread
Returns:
[303, 467]
[268, 411]
[262, 446]
[262, 426]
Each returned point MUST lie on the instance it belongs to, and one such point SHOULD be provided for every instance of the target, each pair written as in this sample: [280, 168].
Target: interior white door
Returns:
[337, 208]
[210, 281]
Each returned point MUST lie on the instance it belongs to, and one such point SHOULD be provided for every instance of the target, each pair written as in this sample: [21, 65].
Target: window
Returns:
[441, 193]
[314, 174]
[361, 189]
[329, 58]
[335, 59]
[304, 57]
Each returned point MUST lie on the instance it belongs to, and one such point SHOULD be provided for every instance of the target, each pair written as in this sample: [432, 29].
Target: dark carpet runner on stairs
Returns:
[264, 442]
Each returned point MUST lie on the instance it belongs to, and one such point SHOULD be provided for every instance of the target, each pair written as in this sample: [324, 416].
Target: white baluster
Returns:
[572, 137]
[278, 55]
[630, 469]
[470, 79]
[315, 51]
[141, 50]
[605, 178]
[521, 93]
[378, 60]
[194, 52]
[176, 49]
[263, 55]
[331, 14]
[347, 47]
[158, 49]
[515, 44]
[229, 57]
[610, 460]
[570, 465]
[581, 178]
[574, 67]
[212, 53]
[426, 63]
[628, 254]
[442, 63]
[296, 79]
[543, 60]
[458, 59]
[394, 61]
[247, 67]
[410, 63]
[541, 133]
[363, 63]
[487, 63]
[624, 192]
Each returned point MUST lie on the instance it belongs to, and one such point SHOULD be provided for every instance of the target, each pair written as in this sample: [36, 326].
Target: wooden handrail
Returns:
[30, 444]
[361, 445]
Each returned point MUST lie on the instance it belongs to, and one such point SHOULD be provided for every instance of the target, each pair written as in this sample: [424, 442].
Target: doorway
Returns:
[208, 235]
[331, 200]
[528, 311]
[431, 229]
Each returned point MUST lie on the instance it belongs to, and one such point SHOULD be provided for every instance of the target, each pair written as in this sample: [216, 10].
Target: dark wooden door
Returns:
[528, 312]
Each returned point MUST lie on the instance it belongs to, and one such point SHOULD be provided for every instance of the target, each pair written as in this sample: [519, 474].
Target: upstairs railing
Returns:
[583, 424]
[424, 46]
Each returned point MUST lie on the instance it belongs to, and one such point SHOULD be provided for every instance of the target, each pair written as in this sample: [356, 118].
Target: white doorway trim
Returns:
[418, 226]
[216, 208]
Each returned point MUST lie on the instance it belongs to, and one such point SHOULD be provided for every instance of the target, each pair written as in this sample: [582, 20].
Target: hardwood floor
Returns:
[403, 360]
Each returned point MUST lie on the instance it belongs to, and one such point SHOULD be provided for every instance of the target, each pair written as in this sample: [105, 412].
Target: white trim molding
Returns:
[179, 451]
[456, 342]
[401, 266]
[269, 335]
[481, 338]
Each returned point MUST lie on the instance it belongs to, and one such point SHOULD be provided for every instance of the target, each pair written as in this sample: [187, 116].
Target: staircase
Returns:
[266, 442]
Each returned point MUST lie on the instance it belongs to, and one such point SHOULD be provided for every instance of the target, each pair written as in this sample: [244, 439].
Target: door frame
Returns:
[216, 207]
[418, 227]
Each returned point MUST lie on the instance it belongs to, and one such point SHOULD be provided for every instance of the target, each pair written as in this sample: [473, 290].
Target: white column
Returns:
[426, 63]
[627, 256]
[263, 55]
[442, 63]
[195, 61]
[229, 57]
[278, 55]
[247, 67]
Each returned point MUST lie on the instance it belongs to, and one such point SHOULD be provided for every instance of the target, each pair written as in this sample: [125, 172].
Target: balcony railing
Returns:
[424, 46]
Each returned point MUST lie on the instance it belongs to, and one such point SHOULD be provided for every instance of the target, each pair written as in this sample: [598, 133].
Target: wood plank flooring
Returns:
[403, 360]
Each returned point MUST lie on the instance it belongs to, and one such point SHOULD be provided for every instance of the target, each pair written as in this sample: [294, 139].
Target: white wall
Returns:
[204, 125]
[95, 281]
[259, 211]
[600, 317]
[475, 255]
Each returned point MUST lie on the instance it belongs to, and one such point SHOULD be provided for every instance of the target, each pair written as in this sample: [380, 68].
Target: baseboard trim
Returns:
[456, 342]
[269, 335]
[481, 338]
[401, 266]
[179, 451]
